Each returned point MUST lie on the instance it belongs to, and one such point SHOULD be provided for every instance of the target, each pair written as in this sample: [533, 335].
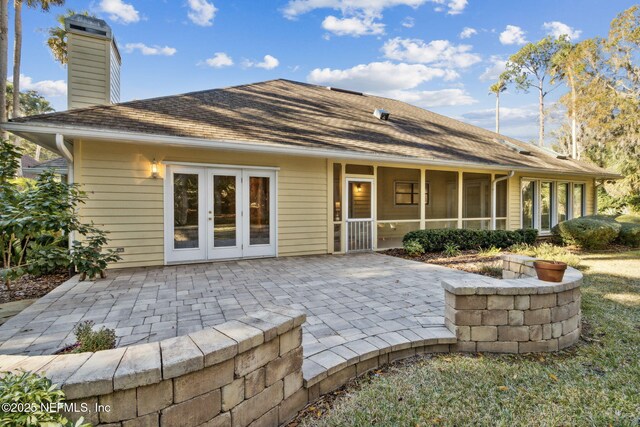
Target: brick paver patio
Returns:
[347, 298]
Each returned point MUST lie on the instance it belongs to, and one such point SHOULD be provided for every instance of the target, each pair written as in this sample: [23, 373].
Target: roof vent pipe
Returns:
[381, 114]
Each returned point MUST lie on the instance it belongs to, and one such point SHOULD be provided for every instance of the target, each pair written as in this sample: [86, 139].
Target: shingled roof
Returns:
[293, 114]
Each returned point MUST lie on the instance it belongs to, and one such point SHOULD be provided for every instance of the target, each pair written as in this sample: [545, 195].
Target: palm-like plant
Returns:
[57, 40]
[497, 88]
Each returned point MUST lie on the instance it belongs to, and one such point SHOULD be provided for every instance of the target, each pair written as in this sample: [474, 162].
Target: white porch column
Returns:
[374, 214]
[460, 197]
[423, 189]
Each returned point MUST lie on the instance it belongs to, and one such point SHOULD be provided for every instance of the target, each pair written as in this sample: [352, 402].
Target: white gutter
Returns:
[494, 199]
[263, 147]
[62, 148]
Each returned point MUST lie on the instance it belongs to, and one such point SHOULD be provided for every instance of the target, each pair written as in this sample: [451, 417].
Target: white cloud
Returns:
[46, 88]
[440, 53]
[355, 26]
[456, 7]
[219, 60]
[557, 29]
[408, 22]
[268, 63]
[150, 50]
[376, 77]
[497, 65]
[512, 35]
[433, 98]
[120, 11]
[201, 12]
[467, 32]
[359, 16]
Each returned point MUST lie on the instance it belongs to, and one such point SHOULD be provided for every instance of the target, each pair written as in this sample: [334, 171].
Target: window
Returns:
[563, 202]
[547, 203]
[407, 193]
[578, 200]
[529, 204]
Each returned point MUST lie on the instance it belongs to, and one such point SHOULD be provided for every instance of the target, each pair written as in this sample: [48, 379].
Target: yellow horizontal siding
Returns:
[125, 201]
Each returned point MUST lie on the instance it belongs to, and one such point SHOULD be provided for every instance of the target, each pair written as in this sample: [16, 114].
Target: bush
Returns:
[88, 256]
[451, 250]
[90, 340]
[588, 232]
[413, 248]
[631, 219]
[26, 388]
[629, 234]
[465, 239]
[547, 251]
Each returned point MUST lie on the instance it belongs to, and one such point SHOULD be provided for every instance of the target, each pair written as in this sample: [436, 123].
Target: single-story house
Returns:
[282, 168]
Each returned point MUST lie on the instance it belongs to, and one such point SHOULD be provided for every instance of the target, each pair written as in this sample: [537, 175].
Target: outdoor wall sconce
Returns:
[154, 169]
[359, 188]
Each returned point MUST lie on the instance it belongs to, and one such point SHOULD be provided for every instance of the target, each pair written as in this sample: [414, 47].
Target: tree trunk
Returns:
[38, 152]
[574, 136]
[498, 112]
[541, 117]
[4, 50]
[17, 56]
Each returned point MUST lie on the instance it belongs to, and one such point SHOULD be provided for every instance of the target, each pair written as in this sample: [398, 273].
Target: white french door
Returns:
[219, 213]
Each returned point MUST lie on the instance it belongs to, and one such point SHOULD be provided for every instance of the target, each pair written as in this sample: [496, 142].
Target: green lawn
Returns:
[595, 383]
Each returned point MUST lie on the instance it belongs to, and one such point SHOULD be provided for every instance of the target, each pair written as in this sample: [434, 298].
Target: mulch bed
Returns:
[469, 261]
[28, 287]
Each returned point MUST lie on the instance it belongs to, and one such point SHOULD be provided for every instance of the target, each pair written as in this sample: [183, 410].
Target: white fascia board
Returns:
[71, 132]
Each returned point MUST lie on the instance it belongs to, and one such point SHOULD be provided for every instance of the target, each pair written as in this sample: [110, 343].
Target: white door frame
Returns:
[371, 219]
[184, 255]
[224, 252]
[206, 251]
[250, 250]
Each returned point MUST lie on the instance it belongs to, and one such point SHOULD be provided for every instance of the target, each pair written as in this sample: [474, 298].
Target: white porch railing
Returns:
[359, 235]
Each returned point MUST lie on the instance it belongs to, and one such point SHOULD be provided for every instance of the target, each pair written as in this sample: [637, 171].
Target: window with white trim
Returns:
[545, 203]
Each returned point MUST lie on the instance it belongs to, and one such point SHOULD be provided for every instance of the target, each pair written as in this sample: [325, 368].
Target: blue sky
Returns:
[439, 54]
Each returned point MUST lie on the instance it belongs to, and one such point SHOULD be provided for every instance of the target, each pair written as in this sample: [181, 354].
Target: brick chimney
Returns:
[93, 63]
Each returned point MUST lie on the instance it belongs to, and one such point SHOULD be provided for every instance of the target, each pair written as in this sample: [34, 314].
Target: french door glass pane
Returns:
[185, 211]
[528, 204]
[545, 208]
[360, 200]
[259, 210]
[224, 211]
[578, 205]
[563, 198]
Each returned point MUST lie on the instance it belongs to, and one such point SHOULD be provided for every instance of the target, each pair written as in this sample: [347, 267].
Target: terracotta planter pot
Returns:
[550, 271]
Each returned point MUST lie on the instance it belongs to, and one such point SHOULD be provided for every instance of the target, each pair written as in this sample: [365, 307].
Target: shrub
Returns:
[435, 240]
[90, 340]
[489, 252]
[588, 232]
[38, 393]
[629, 234]
[88, 256]
[451, 250]
[413, 248]
[547, 251]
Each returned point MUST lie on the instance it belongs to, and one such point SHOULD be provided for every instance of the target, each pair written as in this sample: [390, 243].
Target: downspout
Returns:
[494, 199]
[62, 148]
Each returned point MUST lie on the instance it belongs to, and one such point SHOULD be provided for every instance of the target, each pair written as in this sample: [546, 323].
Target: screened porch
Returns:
[375, 206]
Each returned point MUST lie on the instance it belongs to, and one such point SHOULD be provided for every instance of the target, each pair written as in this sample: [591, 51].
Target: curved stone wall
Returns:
[519, 314]
[240, 373]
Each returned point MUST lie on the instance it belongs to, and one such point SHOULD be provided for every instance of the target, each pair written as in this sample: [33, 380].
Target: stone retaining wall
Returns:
[520, 314]
[240, 373]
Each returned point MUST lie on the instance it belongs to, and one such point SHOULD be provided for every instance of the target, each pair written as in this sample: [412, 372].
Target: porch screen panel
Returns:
[259, 210]
[501, 198]
[528, 191]
[360, 200]
[185, 211]
[441, 211]
[562, 207]
[337, 192]
[398, 194]
[476, 200]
